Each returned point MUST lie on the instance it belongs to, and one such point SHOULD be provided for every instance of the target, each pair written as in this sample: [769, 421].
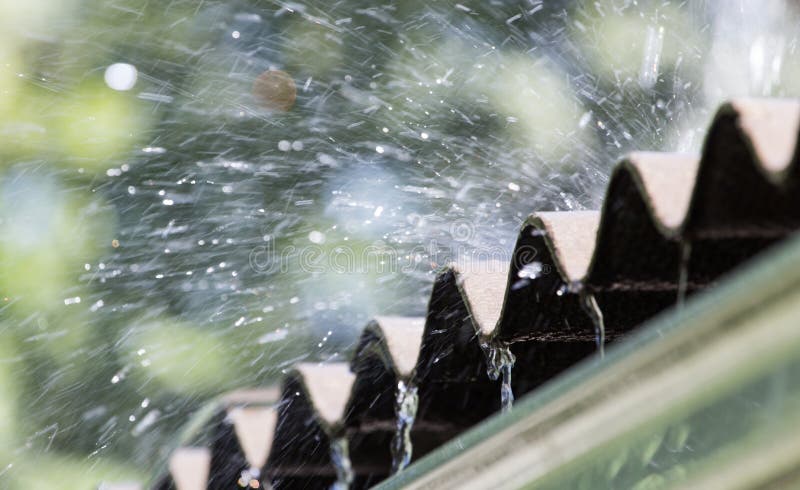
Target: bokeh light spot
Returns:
[275, 90]
[121, 76]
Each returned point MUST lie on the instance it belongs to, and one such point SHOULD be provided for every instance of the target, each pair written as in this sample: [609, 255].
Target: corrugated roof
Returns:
[704, 396]
[670, 224]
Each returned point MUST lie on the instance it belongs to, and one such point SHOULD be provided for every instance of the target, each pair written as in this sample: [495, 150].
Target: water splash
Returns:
[249, 478]
[499, 363]
[749, 49]
[528, 273]
[406, 404]
[683, 271]
[340, 458]
[590, 306]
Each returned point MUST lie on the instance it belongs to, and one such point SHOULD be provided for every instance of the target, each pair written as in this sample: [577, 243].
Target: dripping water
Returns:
[590, 306]
[406, 404]
[506, 393]
[340, 457]
[683, 272]
[499, 363]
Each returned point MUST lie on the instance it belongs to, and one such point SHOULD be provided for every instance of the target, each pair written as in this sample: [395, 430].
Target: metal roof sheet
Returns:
[669, 223]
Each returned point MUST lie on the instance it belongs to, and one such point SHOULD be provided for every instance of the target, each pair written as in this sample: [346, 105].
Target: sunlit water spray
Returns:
[499, 363]
[340, 458]
[406, 404]
[344, 149]
[590, 306]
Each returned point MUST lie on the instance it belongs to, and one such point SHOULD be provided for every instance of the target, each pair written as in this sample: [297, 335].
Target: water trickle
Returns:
[499, 363]
[590, 306]
[683, 272]
[406, 404]
[340, 458]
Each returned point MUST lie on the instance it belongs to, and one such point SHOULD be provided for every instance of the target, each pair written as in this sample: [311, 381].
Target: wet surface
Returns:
[195, 195]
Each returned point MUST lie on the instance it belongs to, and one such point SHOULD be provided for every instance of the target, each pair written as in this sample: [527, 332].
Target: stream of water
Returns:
[406, 404]
[592, 309]
[340, 458]
[499, 363]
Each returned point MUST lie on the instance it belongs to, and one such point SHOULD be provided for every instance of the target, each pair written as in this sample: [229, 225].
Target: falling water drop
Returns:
[499, 362]
[590, 306]
[683, 272]
[406, 403]
[648, 75]
[340, 458]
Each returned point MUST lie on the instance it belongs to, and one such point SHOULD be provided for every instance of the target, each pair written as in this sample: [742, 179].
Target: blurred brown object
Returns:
[275, 90]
